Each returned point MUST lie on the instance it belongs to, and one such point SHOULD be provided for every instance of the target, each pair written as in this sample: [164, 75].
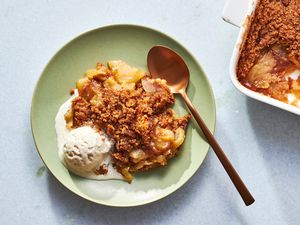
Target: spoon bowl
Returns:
[166, 64]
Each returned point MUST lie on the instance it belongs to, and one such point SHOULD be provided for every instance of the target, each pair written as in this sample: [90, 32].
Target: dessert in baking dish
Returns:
[269, 60]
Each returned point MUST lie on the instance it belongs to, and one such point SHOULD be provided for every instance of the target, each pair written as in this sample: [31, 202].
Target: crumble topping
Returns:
[134, 111]
[271, 50]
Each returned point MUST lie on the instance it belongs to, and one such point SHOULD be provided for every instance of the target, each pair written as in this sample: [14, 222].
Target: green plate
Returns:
[131, 44]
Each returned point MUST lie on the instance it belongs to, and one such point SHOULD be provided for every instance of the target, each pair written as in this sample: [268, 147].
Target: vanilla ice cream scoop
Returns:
[85, 149]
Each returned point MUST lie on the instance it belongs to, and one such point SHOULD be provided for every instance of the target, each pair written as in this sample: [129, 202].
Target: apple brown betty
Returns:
[134, 110]
[269, 62]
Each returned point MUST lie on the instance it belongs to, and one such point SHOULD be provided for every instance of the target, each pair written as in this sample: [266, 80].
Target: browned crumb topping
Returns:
[271, 48]
[102, 170]
[145, 130]
[72, 91]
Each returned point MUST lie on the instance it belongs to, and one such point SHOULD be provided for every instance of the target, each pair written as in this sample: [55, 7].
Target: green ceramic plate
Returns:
[129, 43]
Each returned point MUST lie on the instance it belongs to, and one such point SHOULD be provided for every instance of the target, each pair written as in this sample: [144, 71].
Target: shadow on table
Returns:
[226, 190]
[277, 131]
[277, 135]
[76, 210]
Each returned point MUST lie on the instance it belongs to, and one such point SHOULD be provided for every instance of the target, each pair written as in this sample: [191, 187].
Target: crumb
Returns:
[72, 91]
[102, 170]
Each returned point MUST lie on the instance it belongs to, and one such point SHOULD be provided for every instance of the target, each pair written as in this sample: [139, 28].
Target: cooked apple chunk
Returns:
[123, 73]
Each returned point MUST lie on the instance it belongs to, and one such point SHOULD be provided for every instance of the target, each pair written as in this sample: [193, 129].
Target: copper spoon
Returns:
[166, 64]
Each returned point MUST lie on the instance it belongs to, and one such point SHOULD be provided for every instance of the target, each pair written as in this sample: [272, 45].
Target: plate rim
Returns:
[78, 36]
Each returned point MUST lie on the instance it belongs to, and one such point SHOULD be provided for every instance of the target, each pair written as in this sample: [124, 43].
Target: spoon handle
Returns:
[235, 178]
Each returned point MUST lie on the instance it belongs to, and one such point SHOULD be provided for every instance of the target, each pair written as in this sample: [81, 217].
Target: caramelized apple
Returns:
[123, 73]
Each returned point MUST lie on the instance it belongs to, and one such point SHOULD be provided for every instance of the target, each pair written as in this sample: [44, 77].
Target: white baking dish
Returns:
[238, 13]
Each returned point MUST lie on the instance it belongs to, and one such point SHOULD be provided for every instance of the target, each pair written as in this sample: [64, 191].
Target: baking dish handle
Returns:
[235, 11]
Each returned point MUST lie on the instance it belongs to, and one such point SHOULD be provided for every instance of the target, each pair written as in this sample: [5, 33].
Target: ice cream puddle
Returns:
[83, 150]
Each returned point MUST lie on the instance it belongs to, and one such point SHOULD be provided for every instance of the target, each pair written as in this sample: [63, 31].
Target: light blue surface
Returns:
[262, 142]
